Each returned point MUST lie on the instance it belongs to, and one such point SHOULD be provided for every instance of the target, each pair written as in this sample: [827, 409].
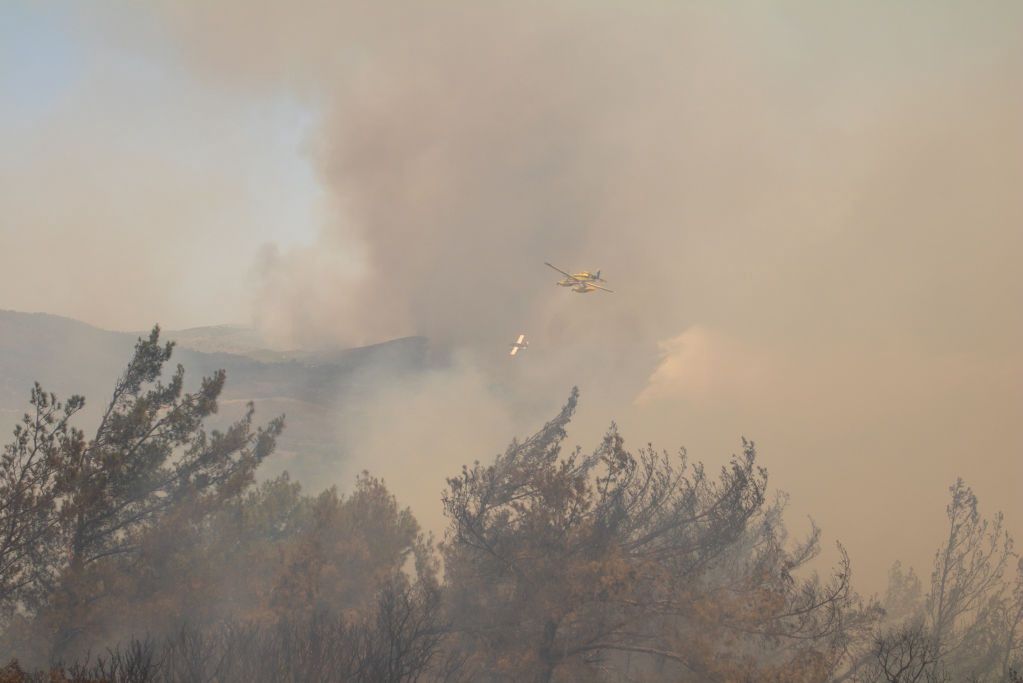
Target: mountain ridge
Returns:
[313, 389]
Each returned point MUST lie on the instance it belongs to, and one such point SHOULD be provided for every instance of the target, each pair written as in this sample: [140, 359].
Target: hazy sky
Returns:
[811, 214]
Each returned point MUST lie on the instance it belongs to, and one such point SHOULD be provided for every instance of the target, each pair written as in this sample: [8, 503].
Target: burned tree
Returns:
[969, 625]
[89, 501]
[32, 470]
[564, 566]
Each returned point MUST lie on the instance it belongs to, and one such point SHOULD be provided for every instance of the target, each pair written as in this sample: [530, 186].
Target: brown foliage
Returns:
[557, 562]
[615, 565]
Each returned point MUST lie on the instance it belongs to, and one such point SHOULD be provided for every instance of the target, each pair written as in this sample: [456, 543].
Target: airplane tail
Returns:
[598, 274]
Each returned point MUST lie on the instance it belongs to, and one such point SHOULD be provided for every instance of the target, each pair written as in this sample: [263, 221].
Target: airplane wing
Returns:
[593, 284]
[521, 337]
[558, 269]
[514, 351]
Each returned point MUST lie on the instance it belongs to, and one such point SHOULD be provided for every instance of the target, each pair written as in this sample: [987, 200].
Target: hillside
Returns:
[314, 390]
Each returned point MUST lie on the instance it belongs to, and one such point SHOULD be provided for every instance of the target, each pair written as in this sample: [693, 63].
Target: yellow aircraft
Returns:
[519, 344]
[582, 283]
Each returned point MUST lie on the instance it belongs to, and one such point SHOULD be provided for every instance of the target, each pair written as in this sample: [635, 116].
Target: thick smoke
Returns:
[810, 216]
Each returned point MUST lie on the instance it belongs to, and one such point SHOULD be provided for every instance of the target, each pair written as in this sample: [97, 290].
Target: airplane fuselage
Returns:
[578, 278]
[582, 282]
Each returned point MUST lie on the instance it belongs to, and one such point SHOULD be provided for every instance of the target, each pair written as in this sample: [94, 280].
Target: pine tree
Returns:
[89, 500]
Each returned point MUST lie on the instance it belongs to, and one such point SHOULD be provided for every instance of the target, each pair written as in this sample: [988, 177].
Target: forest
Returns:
[148, 550]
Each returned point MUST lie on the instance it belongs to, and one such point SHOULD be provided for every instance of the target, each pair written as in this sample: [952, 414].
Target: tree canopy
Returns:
[148, 552]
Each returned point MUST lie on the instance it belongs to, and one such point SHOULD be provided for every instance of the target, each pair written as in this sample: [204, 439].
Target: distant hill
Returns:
[235, 339]
[314, 390]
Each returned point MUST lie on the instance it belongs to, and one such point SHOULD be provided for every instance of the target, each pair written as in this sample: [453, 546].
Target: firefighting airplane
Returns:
[582, 283]
[520, 343]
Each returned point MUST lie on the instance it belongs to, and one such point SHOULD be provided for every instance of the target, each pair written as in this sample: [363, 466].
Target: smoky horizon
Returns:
[807, 219]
